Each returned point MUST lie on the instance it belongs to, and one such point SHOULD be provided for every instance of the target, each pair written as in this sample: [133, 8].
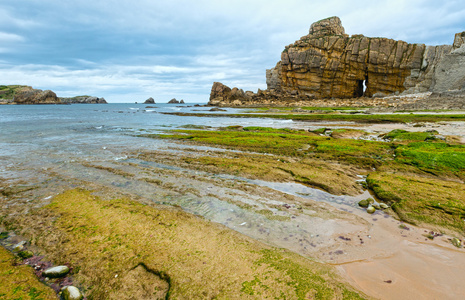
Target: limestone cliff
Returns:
[327, 63]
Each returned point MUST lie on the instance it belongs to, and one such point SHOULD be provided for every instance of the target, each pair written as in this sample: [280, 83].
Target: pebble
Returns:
[19, 246]
[457, 243]
[56, 272]
[70, 292]
[371, 209]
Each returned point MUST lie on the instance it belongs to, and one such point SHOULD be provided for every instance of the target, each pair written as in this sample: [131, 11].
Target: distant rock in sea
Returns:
[149, 101]
[173, 101]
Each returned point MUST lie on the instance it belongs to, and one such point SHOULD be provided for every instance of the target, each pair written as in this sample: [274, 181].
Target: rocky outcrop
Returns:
[149, 101]
[83, 100]
[221, 93]
[175, 101]
[28, 95]
[327, 63]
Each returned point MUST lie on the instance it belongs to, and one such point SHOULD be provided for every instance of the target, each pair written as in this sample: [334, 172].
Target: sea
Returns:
[50, 134]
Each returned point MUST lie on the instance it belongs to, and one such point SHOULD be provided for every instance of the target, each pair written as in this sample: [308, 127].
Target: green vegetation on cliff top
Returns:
[8, 91]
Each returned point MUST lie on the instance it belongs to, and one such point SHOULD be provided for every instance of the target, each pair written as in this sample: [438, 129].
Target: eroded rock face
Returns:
[149, 101]
[327, 63]
[221, 93]
[28, 95]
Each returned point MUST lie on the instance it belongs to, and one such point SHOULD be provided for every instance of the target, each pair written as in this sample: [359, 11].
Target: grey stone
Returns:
[56, 272]
[70, 292]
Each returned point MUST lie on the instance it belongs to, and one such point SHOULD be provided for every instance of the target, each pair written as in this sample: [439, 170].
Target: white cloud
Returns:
[10, 37]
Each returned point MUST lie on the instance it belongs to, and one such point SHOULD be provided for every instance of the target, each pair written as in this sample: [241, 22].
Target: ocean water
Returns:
[39, 135]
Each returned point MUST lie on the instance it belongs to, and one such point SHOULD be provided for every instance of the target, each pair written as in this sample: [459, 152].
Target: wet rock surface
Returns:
[56, 272]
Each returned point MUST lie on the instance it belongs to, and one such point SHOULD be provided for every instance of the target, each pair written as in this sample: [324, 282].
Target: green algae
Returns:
[407, 154]
[403, 135]
[420, 200]
[19, 281]
[101, 238]
[434, 156]
[360, 118]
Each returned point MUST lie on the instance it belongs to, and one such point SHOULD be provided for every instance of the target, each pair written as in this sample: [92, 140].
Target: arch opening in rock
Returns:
[360, 88]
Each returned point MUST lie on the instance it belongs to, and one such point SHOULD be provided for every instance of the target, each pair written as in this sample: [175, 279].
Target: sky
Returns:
[130, 50]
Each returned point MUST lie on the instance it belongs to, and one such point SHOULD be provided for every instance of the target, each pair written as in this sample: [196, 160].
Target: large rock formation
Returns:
[28, 95]
[327, 63]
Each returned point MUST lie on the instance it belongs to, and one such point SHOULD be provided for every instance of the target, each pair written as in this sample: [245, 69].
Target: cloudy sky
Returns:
[130, 50]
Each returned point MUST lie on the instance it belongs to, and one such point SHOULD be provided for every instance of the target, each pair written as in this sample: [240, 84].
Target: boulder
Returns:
[70, 292]
[182, 101]
[149, 101]
[173, 101]
[56, 272]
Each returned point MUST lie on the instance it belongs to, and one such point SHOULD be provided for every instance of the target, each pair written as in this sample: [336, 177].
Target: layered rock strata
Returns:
[327, 63]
